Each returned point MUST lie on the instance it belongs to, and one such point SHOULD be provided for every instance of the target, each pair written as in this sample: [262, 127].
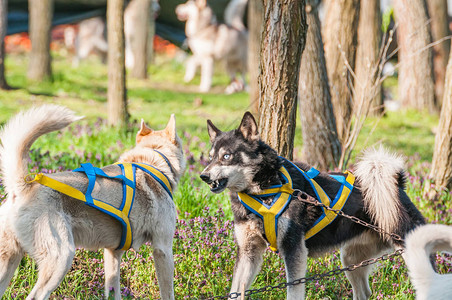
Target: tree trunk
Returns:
[137, 22]
[255, 20]
[321, 146]
[283, 41]
[441, 170]
[3, 27]
[367, 57]
[416, 87]
[340, 36]
[437, 10]
[151, 32]
[117, 104]
[39, 28]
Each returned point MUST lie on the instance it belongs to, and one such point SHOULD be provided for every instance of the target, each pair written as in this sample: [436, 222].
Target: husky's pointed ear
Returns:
[248, 127]
[144, 130]
[170, 129]
[212, 130]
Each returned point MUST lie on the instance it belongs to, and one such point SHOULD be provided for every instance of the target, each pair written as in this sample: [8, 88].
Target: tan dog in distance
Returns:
[49, 225]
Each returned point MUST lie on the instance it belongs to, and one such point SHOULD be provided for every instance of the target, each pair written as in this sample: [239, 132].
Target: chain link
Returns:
[314, 277]
[313, 201]
[337, 271]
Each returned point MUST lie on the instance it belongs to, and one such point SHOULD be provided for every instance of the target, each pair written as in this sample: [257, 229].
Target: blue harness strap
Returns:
[128, 178]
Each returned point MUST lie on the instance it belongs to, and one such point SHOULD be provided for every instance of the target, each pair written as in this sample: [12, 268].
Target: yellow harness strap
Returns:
[339, 202]
[121, 214]
[270, 213]
[282, 196]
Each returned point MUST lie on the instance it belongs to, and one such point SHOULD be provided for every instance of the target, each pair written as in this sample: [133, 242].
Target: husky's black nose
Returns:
[205, 177]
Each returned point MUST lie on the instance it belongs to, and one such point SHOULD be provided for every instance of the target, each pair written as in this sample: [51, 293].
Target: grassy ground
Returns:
[204, 249]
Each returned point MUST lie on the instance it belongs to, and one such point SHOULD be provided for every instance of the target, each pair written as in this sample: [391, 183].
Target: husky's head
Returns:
[197, 14]
[239, 160]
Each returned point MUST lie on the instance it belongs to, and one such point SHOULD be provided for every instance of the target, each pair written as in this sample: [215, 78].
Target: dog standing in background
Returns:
[241, 162]
[420, 244]
[210, 41]
[49, 225]
[92, 35]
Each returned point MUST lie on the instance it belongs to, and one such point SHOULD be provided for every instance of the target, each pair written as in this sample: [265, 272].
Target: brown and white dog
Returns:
[49, 225]
[209, 41]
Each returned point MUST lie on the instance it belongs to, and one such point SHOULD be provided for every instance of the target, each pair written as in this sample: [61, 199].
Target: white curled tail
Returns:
[420, 243]
[19, 133]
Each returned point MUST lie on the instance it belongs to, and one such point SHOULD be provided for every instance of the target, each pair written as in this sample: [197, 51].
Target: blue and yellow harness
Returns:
[282, 195]
[129, 184]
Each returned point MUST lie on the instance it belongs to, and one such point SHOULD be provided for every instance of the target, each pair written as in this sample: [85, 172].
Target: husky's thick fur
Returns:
[49, 226]
[210, 41]
[420, 244]
[241, 162]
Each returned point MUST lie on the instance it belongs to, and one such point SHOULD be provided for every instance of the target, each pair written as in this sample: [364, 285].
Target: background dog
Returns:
[49, 225]
[420, 244]
[91, 36]
[211, 41]
[241, 162]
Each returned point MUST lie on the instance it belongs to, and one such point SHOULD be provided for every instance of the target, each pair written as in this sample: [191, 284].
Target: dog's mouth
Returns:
[217, 186]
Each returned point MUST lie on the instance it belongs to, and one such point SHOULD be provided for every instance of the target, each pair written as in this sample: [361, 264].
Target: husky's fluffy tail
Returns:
[380, 175]
[420, 243]
[234, 12]
[18, 135]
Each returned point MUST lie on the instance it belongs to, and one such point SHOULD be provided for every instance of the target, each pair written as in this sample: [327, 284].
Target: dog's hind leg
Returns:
[250, 249]
[365, 246]
[112, 262]
[11, 254]
[53, 251]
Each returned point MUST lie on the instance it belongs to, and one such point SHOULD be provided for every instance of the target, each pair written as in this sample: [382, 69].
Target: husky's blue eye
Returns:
[227, 156]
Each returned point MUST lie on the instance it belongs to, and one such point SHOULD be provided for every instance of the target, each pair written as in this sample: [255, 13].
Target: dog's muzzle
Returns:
[216, 186]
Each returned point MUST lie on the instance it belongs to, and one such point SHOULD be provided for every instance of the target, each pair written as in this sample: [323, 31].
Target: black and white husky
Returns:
[243, 163]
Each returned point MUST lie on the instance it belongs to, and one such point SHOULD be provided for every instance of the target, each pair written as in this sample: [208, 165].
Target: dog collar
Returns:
[128, 178]
[282, 195]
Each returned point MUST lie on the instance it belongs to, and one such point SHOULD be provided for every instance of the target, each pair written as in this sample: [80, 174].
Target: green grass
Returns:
[204, 249]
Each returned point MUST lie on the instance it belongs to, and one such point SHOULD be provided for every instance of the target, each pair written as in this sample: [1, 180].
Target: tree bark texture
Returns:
[138, 15]
[321, 146]
[367, 57]
[283, 41]
[439, 22]
[40, 26]
[3, 28]
[441, 171]
[340, 37]
[416, 85]
[117, 103]
[255, 21]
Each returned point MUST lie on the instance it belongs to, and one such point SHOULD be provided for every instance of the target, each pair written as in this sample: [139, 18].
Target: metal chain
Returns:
[337, 271]
[314, 277]
[313, 201]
